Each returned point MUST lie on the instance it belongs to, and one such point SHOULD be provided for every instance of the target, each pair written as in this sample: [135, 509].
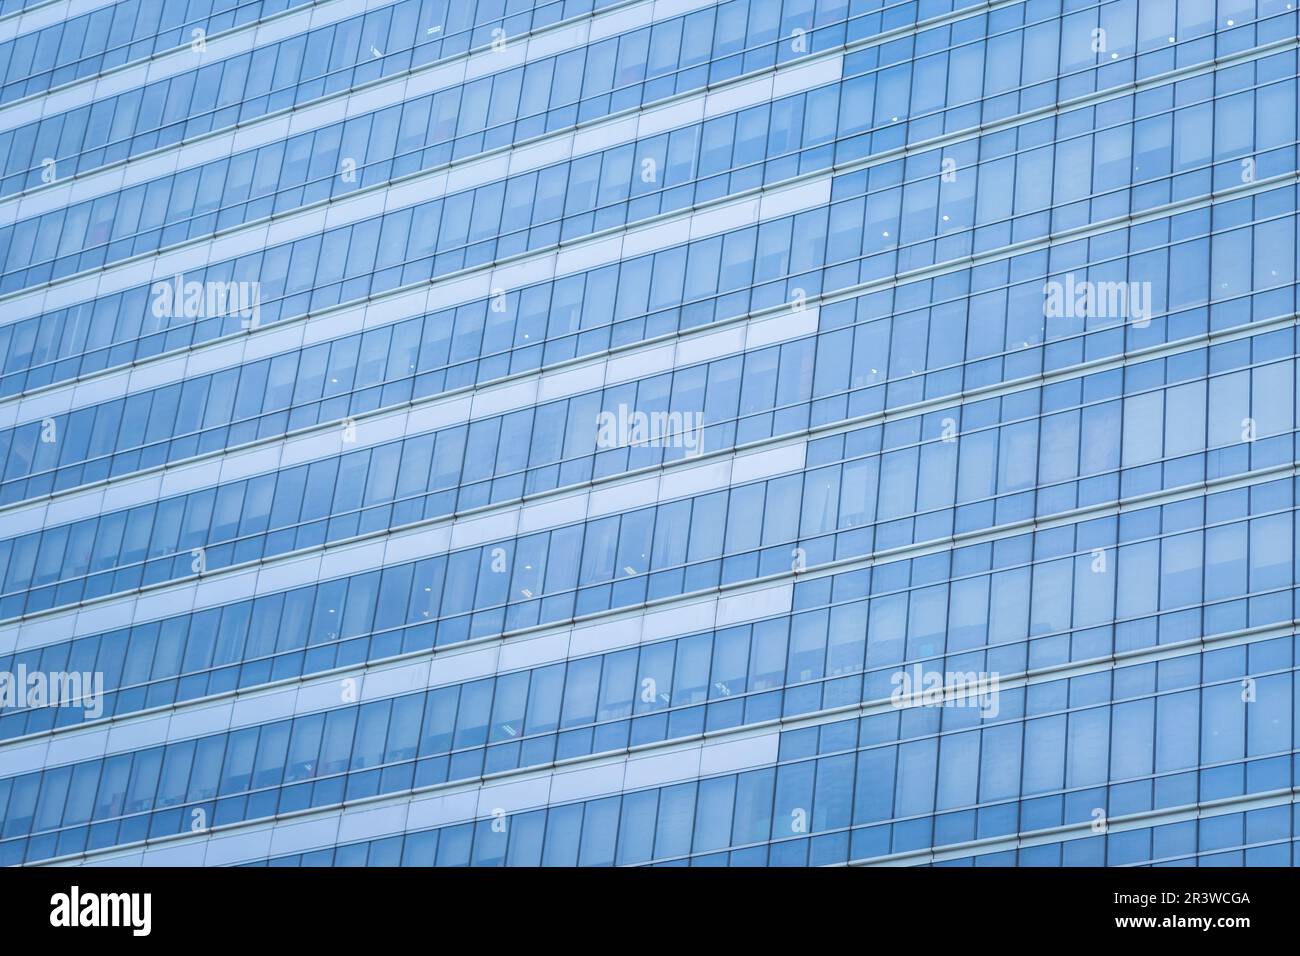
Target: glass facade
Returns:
[649, 432]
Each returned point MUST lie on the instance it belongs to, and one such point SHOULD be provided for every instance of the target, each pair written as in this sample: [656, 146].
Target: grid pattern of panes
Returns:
[827, 228]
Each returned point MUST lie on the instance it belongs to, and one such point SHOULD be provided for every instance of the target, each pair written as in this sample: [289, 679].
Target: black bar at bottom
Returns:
[334, 906]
